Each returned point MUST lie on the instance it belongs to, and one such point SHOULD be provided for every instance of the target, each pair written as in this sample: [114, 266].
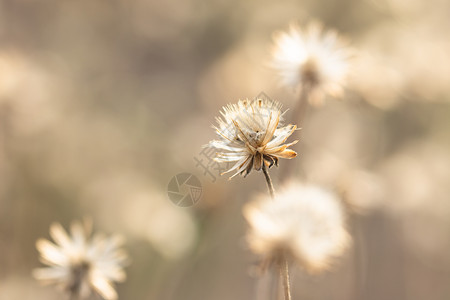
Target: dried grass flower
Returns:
[81, 264]
[251, 135]
[312, 58]
[305, 223]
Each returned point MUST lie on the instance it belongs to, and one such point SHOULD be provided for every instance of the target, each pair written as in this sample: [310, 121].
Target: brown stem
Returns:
[283, 263]
[269, 181]
[284, 275]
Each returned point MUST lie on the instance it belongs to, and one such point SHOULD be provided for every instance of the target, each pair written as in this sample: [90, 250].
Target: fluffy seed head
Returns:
[80, 264]
[313, 59]
[303, 222]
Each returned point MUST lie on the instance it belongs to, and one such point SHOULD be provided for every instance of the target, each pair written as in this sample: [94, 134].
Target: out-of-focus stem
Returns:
[282, 264]
[284, 275]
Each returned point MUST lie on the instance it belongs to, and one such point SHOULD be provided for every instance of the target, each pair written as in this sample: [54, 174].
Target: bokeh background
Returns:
[103, 101]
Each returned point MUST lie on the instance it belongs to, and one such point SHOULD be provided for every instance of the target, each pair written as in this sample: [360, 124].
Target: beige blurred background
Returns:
[103, 101]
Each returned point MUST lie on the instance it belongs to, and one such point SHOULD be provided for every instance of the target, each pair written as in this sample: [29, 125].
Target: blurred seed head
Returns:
[251, 134]
[312, 58]
[81, 264]
[303, 221]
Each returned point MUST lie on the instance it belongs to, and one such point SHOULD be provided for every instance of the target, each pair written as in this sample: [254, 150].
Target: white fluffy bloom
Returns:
[80, 264]
[312, 58]
[304, 222]
[251, 134]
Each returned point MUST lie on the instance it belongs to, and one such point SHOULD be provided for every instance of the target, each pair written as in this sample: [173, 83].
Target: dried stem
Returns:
[283, 263]
[269, 181]
[284, 275]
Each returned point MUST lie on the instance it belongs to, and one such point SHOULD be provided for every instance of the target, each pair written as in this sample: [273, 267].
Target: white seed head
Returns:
[304, 222]
[81, 264]
[312, 58]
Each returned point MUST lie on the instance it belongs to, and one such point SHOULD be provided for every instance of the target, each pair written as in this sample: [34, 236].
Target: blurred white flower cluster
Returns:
[81, 264]
[304, 222]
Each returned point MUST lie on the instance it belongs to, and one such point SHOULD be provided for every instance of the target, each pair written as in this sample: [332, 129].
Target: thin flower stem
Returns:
[284, 275]
[283, 263]
[269, 181]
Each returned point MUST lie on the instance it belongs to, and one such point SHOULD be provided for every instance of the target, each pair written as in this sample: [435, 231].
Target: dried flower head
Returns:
[80, 264]
[303, 222]
[251, 135]
[312, 59]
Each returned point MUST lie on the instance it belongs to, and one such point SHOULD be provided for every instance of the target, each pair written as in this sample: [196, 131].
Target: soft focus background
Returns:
[103, 101]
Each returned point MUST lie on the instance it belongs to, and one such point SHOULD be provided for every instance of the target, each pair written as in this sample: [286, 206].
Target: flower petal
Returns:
[60, 236]
[239, 164]
[271, 128]
[278, 149]
[288, 153]
[51, 275]
[258, 161]
[104, 288]
[281, 135]
[51, 254]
